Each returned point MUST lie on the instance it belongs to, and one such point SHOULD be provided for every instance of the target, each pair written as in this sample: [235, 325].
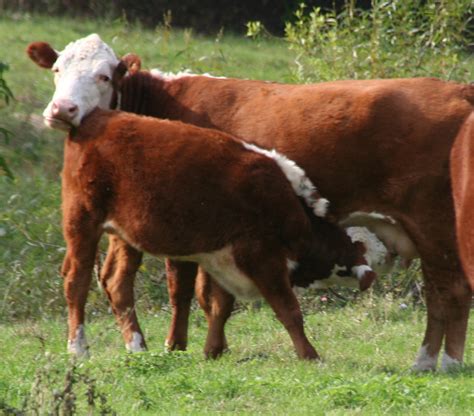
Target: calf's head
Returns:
[334, 258]
[86, 75]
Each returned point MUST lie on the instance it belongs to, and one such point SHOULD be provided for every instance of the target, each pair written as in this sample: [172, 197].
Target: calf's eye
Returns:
[104, 78]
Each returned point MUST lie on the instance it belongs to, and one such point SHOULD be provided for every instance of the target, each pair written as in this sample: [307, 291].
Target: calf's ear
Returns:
[42, 54]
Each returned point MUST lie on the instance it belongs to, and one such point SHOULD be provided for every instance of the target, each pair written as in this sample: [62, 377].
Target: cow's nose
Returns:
[64, 109]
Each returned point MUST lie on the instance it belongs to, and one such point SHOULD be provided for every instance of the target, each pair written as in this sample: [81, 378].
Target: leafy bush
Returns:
[396, 38]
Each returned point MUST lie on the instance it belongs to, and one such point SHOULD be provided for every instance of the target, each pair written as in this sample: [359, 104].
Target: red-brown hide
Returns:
[153, 183]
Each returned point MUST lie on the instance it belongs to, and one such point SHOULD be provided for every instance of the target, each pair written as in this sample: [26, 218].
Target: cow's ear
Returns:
[119, 72]
[42, 54]
[133, 63]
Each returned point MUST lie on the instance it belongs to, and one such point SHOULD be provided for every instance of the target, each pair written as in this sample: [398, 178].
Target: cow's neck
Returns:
[143, 94]
[149, 95]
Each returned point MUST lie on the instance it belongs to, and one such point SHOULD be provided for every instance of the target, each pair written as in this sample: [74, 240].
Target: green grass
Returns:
[367, 350]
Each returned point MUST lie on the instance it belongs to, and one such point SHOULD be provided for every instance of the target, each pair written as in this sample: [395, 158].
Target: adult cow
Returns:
[380, 146]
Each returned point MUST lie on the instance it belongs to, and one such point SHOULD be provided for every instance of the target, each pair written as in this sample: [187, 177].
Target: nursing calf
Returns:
[196, 194]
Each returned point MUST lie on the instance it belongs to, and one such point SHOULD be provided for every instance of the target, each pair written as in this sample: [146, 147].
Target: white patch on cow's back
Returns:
[449, 363]
[300, 183]
[78, 345]
[171, 76]
[135, 344]
[424, 361]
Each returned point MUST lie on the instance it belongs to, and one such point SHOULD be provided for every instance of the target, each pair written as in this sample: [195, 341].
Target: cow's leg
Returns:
[117, 278]
[448, 295]
[458, 303]
[427, 357]
[181, 277]
[217, 305]
[448, 299]
[82, 236]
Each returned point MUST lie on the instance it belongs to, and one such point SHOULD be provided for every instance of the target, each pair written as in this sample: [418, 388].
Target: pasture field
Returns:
[368, 342]
[367, 349]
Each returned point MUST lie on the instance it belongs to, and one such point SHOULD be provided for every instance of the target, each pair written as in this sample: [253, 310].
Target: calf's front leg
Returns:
[268, 269]
[82, 235]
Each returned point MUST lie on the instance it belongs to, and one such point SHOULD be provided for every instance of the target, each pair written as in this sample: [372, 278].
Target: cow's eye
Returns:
[104, 78]
[55, 70]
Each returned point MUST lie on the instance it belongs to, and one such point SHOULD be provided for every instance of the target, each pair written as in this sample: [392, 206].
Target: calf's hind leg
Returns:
[217, 305]
[117, 278]
[181, 277]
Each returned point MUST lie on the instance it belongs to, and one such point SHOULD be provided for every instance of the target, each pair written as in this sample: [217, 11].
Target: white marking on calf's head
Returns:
[376, 254]
[83, 79]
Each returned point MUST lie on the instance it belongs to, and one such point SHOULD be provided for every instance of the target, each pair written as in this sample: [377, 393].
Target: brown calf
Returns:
[154, 183]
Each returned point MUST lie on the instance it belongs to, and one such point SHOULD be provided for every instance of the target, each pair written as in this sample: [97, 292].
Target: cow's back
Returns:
[342, 132]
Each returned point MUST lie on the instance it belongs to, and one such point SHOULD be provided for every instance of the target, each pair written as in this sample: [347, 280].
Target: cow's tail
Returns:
[300, 183]
[462, 177]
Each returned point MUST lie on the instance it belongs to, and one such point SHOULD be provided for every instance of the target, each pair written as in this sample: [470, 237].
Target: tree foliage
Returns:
[395, 38]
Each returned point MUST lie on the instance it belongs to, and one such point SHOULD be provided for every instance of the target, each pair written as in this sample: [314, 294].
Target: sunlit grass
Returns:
[366, 368]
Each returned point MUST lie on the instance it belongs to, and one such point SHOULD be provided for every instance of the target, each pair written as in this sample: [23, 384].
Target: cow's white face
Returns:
[83, 74]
